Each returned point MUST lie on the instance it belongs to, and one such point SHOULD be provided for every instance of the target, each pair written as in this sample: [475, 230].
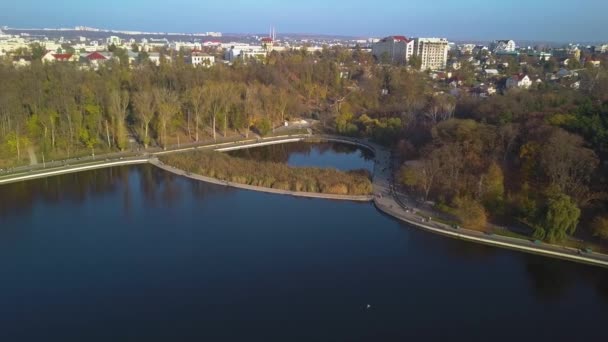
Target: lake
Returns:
[139, 254]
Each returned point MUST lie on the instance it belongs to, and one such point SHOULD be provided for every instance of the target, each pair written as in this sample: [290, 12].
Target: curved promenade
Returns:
[385, 199]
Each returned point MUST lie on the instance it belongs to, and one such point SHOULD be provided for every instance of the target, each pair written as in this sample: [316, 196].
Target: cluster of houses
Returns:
[94, 59]
[502, 66]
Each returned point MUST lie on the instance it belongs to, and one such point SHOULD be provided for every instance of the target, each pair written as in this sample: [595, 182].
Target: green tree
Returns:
[560, 219]
[415, 62]
[263, 126]
[38, 51]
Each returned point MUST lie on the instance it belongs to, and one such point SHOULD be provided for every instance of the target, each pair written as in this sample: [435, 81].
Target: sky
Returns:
[539, 20]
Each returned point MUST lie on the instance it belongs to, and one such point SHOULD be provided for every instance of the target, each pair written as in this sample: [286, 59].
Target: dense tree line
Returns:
[533, 156]
[537, 156]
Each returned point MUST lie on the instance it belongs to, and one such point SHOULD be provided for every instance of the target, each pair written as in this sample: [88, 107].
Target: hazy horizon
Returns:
[475, 20]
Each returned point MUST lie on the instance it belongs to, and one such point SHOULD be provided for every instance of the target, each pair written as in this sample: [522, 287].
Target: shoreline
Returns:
[216, 181]
[385, 204]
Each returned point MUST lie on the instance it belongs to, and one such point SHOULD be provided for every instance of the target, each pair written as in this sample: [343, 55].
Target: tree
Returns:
[118, 104]
[167, 106]
[560, 219]
[263, 126]
[16, 143]
[38, 51]
[196, 98]
[600, 227]
[415, 62]
[492, 192]
[568, 164]
[143, 102]
[471, 213]
[423, 174]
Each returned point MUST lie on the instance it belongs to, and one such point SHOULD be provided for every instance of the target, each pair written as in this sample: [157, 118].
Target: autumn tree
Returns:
[167, 106]
[143, 103]
[117, 106]
[470, 213]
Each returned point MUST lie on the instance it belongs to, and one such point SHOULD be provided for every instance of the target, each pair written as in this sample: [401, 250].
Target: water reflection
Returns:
[18, 199]
[325, 154]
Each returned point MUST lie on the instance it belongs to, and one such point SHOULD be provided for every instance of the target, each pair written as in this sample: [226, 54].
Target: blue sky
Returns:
[550, 20]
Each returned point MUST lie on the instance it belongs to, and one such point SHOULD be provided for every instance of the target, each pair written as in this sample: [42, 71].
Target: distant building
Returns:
[50, 57]
[466, 49]
[113, 40]
[503, 46]
[199, 58]
[394, 49]
[22, 61]
[519, 81]
[569, 53]
[244, 53]
[432, 52]
[491, 72]
[601, 48]
[154, 58]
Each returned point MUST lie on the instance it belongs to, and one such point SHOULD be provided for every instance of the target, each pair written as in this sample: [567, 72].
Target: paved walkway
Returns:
[387, 202]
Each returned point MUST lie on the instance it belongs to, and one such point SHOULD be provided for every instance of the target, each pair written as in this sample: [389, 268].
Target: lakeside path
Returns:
[384, 197]
[386, 201]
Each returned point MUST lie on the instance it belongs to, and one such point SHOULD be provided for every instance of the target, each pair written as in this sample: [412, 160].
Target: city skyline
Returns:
[457, 20]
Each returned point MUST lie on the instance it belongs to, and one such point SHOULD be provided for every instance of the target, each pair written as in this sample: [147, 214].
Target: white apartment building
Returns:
[503, 46]
[244, 52]
[185, 45]
[432, 52]
[198, 58]
[394, 49]
[113, 40]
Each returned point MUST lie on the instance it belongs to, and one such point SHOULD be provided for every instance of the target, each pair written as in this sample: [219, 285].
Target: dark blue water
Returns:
[138, 254]
[303, 154]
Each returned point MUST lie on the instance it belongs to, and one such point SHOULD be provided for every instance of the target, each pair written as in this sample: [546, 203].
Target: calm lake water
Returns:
[138, 254]
[303, 154]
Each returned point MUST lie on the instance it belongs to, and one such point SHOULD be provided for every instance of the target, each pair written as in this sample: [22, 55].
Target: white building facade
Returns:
[432, 52]
[394, 49]
[503, 46]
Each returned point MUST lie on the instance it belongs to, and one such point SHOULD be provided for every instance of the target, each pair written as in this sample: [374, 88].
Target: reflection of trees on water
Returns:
[156, 188]
[18, 198]
[280, 153]
[162, 187]
[551, 279]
